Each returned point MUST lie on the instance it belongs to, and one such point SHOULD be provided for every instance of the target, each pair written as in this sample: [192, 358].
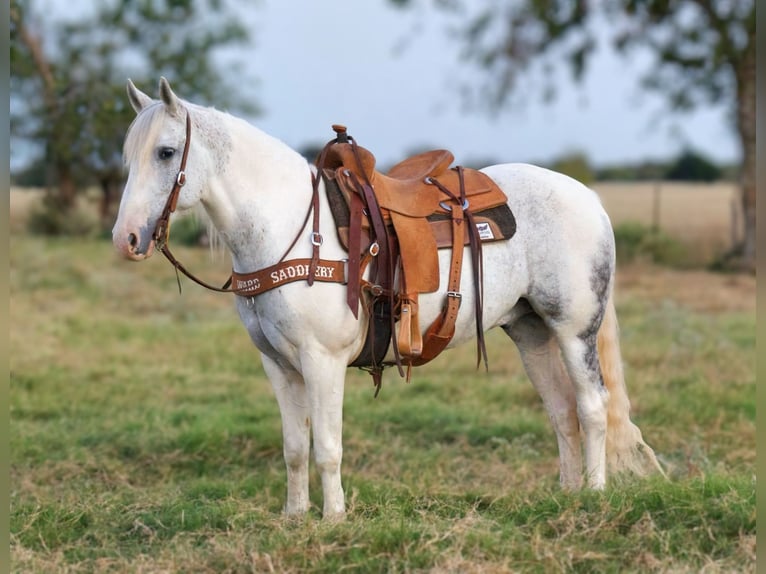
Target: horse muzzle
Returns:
[134, 245]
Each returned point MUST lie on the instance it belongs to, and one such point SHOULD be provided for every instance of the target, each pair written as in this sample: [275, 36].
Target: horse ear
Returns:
[138, 99]
[167, 96]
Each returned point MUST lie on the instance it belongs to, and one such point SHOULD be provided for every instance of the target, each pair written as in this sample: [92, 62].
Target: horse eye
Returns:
[165, 153]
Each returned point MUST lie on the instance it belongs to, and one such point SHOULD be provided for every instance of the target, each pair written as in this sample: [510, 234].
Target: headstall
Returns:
[256, 282]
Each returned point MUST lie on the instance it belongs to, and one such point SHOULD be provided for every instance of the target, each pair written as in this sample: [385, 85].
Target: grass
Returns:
[144, 438]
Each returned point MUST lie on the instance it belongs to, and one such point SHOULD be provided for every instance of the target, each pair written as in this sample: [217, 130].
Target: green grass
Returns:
[144, 438]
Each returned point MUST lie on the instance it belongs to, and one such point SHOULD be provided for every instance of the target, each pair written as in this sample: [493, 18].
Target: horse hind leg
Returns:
[542, 362]
[580, 355]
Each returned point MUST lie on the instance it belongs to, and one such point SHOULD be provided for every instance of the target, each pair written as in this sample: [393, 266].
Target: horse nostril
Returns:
[133, 240]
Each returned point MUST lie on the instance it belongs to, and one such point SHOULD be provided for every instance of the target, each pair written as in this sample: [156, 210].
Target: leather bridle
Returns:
[161, 234]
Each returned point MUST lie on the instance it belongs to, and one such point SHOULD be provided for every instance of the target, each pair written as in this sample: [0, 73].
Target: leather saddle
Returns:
[397, 221]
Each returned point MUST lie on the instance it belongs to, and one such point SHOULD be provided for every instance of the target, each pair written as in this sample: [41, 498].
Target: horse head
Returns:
[153, 151]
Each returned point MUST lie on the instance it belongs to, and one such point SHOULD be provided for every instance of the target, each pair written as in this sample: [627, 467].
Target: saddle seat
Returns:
[405, 198]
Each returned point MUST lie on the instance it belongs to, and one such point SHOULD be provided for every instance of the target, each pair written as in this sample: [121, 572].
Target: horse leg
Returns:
[325, 378]
[290, 392]
[542, 362]
[580, 355]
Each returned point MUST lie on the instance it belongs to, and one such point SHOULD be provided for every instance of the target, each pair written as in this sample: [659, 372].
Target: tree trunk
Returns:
[64, 192]
[110, 190]
[66, 196]
[746, 87]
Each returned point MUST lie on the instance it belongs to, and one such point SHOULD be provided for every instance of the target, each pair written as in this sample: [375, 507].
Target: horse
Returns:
[549, 288]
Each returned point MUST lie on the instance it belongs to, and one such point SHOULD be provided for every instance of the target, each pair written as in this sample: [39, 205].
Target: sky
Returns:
[392, 76]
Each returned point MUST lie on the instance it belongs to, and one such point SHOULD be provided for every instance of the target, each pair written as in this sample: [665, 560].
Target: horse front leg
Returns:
[325, 379]
[290, 391]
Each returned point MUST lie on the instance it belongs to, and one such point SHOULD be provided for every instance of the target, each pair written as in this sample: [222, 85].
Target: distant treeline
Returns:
[687, 166]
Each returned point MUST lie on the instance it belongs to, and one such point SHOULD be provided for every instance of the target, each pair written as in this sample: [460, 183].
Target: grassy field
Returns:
[145, 438]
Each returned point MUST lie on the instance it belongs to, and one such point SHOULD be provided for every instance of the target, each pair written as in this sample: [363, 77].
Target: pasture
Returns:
[144, 437]
[698, 216]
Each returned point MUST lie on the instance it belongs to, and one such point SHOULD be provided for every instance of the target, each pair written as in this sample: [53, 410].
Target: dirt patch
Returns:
[695, 289]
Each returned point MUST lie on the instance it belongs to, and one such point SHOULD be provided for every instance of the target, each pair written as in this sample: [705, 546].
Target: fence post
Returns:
[656, 200]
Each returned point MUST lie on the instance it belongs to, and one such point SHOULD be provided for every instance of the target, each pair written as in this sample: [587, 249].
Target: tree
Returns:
[704, 52]
[575, 164]
[68, 80]
[692, 166]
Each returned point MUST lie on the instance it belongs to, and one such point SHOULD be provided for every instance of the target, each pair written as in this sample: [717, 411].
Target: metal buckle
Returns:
[314, 241]
[181, 178]
[374, 249]
[454, 294]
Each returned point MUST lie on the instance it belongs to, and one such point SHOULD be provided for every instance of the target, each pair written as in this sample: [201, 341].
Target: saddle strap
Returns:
[441, 331]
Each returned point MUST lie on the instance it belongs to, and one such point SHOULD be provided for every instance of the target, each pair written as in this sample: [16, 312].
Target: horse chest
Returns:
[266, 330]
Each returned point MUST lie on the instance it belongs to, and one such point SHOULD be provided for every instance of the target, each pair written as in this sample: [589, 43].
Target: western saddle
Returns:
[393, 224]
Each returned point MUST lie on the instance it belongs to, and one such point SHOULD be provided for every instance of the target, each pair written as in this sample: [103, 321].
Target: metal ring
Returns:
[428, 180]
[314, 241]
[374, 249]
[445, 207]
[181, 178]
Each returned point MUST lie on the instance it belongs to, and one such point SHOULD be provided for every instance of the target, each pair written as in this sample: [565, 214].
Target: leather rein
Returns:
[257, 282]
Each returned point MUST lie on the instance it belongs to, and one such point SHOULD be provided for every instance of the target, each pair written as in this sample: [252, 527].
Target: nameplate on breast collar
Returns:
[257, 282]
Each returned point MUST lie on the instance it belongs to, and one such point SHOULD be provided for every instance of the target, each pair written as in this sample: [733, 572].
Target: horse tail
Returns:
[626, 450]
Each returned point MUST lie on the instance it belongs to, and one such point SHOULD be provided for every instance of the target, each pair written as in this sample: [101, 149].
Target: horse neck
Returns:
[258, 200]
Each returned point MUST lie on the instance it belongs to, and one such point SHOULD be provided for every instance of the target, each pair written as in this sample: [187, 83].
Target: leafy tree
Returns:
[575, 164]
[68, 80]
[704, 52]
[691, 166]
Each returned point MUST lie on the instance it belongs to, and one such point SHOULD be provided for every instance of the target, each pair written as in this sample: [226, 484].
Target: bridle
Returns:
[161, 235]
[161, 232]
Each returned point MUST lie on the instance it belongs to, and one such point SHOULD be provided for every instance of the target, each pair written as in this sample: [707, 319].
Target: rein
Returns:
[257, 282]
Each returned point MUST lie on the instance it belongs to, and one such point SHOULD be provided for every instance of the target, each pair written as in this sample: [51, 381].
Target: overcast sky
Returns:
[339, 61]
[392, 76]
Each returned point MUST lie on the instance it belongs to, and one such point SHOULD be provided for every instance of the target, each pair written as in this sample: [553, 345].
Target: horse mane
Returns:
[143, 128]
